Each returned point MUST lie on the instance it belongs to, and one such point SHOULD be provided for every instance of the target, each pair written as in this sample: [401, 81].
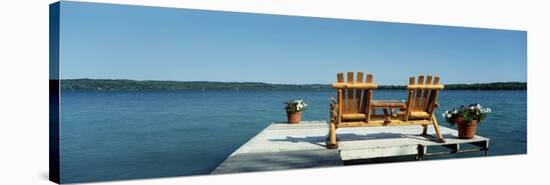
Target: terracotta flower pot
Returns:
[467, 130]
[294, 117]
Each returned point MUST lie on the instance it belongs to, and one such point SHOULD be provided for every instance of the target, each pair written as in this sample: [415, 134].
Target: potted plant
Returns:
[467, 118]
[294, 110]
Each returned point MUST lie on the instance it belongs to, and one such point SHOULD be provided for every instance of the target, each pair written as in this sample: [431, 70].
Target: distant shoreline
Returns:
[151, 85]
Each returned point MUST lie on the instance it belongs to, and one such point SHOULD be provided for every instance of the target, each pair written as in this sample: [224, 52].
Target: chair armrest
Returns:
[388, 103]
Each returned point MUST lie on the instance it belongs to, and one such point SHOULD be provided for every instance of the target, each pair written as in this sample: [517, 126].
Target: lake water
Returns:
[127, 135]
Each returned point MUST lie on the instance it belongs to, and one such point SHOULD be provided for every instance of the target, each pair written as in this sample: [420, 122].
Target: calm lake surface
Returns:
[126, 135]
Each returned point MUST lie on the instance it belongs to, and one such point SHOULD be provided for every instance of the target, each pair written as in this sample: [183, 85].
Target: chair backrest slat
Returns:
[418, 96]
[433, 97]
[410, 99]
[436, 80]
[427, 92]
[351, 93]
[369, 78]
[368, 98]
[358, 93]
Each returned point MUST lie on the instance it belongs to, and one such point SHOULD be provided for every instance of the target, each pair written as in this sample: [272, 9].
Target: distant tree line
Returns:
[475, 86]
[489, 86]
[150, 85]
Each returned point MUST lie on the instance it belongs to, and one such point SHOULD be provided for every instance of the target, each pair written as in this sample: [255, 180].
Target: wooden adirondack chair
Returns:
[422, 103]
[354, 105]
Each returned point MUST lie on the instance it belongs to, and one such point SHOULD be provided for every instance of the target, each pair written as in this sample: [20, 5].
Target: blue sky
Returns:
[149, 43]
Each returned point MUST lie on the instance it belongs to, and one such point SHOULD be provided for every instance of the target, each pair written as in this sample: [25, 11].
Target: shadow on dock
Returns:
[279, 161]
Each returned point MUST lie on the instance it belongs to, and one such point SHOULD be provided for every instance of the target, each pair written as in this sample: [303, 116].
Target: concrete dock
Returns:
[283, 146]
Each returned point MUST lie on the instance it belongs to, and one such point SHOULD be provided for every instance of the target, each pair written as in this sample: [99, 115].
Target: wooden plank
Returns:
[410, 100]
[368, 97]
[349, 86]
[424, 87]
[354, 116]
[417, 99]
[381, 152]
[419, 115]
[368, 107]
[388, 103]
[426, 94]
[358, 92]
[454, 147]
[433, 97]
[483, 144]
[436, 80]
[364, 102]
[378, 122]
[432, 102]
[269, 161]
[291, 146]
[350, 93]
[312, 135]
[370, 78]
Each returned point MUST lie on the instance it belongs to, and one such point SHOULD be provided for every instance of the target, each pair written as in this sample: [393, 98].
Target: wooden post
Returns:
[368, 99]
[424, 104]
[332, 138]
[332, 130]
[425, 130]
[368, 108]
[421, 152]
[437, 132]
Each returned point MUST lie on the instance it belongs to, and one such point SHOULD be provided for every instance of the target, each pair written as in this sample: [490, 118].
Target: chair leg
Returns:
[331, 143]
[424, 130]
[437, 132]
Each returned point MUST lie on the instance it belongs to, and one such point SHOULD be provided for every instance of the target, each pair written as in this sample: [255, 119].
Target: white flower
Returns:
[472, 108]
[449, 115]
[488, 110]
[455, 111]
[478, 106]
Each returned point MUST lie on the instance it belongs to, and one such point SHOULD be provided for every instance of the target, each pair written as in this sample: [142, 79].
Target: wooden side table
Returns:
[387, 106]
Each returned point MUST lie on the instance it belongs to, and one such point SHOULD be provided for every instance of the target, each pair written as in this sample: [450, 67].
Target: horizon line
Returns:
[273, 83]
